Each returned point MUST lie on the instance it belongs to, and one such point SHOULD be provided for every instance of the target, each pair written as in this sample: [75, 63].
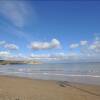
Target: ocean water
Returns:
[88, 73]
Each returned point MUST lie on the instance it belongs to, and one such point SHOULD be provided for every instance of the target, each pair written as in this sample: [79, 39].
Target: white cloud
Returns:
[11, 46]
[54, 43]
[56, 56]
[72, 56]
[92, 47]
[83, 42]
[40, 56]
[59, 55]
[18, 57]
[4, 54]
[96, 46]
[74, 46]
[17, 12]
[2, 42]
[8, 46]
[91, 50]
[45, 45]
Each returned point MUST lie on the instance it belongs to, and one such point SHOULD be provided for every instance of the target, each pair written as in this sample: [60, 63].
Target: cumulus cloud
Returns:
[91, 49]
[4, 54]
[95, 46]
[74, 46]
[8, 46]
[83, 42]
[11, 46]
[56, 56]
[60, 56]
[2, 43]
[40, 56]
[54, 43]
[88, 49]
[18, 57]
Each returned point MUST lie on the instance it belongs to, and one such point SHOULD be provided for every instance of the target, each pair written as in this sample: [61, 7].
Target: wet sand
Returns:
[14, 88]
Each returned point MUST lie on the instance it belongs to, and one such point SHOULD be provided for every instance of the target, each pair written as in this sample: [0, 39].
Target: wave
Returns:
[50, 74]
[73, 75]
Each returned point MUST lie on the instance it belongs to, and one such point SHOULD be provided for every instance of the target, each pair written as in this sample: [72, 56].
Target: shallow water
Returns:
[74, 72]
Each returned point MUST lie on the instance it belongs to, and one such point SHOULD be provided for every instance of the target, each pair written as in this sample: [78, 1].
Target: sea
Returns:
[88, 72]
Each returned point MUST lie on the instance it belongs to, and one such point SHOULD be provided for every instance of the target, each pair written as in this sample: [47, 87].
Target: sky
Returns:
[49, 29]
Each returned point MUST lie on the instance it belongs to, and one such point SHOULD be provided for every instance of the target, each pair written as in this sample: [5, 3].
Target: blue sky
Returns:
[44, 28]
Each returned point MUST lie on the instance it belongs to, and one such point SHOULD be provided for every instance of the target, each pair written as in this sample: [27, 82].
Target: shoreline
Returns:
[30, 78]
[22, 88]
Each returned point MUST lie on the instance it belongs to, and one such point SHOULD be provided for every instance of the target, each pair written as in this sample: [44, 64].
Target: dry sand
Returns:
[14, 88]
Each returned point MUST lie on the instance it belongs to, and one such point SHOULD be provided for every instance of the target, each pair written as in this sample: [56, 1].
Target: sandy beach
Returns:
[14, 88]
